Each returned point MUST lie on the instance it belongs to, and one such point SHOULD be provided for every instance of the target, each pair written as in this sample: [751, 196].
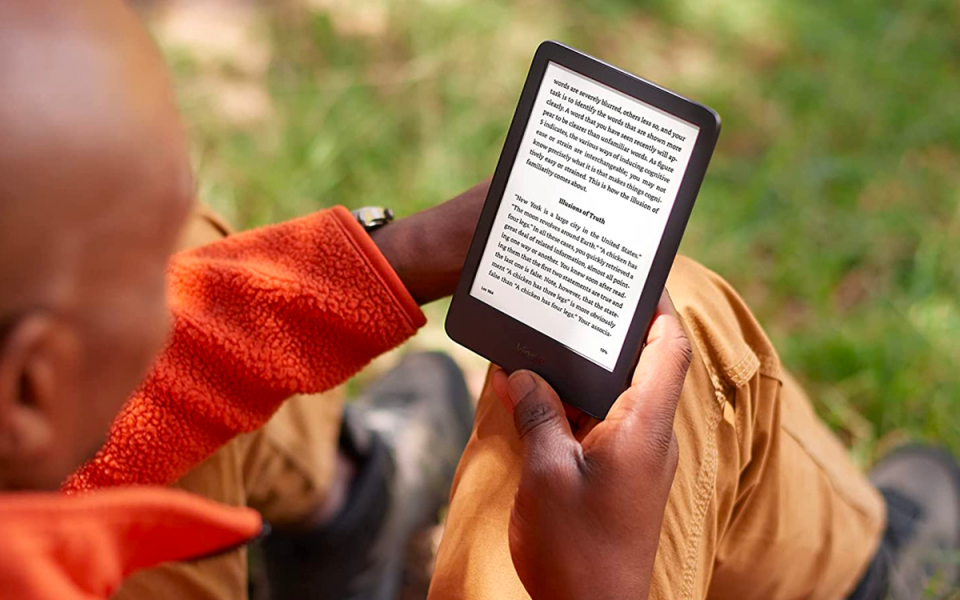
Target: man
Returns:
[764, 502]
[95, 191]
[149, 190]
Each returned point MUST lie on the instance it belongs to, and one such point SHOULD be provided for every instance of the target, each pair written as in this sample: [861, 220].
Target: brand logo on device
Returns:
[524, 352]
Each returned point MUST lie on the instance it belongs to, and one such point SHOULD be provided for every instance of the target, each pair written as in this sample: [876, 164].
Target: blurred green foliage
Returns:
[832, 204]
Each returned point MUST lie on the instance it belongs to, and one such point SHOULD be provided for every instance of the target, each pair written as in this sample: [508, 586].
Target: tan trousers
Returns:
[766, 503]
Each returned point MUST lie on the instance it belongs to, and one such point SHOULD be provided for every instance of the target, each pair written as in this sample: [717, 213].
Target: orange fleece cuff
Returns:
[380, 265]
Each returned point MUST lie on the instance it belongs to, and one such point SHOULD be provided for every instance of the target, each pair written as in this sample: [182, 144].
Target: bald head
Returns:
[90, 136]
[94, 187]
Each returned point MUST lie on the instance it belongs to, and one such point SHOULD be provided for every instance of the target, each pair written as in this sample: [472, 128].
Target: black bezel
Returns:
[513, 345]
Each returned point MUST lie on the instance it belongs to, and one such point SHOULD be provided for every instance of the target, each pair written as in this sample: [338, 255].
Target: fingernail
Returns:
[519, 385]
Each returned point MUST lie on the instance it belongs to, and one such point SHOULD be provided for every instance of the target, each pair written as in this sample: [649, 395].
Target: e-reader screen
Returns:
[582, 214]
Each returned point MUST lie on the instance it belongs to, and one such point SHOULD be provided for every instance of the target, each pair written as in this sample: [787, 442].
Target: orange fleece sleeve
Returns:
[58, 548]
[289, 309]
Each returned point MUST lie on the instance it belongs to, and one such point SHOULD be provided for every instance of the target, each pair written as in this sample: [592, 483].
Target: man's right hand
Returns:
[587, 515]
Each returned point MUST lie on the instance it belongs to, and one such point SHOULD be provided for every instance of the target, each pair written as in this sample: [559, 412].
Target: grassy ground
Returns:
[832, 204]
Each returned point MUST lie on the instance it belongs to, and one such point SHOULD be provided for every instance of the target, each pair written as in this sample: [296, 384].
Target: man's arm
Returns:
[289, 309]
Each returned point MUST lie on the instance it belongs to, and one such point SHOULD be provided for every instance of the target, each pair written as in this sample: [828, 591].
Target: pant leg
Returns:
[289, 468]
[765, 504]
[282, 470]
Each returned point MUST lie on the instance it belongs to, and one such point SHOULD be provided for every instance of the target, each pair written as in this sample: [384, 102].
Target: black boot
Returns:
[919, 557]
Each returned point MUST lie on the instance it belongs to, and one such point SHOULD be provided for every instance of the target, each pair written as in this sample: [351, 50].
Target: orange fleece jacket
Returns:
[293, 308]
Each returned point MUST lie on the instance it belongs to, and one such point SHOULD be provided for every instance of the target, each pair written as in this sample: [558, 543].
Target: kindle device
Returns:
[582, 222]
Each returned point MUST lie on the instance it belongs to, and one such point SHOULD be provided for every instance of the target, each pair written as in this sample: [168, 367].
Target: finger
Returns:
[540, 420]
[658, 379]
[498, 381]
[668, 339]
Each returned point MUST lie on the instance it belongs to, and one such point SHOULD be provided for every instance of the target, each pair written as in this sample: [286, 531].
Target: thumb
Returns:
[541, 423]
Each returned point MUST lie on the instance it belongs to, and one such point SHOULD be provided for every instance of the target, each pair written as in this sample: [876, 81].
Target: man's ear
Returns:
[32, 358]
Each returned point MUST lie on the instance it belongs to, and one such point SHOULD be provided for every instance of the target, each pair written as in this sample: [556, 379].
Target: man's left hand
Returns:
[427, 249]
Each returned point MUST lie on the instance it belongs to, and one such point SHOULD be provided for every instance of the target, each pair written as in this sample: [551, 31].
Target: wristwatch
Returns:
[373, 217]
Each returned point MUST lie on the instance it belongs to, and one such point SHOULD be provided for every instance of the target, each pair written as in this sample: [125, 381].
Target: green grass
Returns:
[832, 204]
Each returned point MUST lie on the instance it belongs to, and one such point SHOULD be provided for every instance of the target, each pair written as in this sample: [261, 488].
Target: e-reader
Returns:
[589, 200]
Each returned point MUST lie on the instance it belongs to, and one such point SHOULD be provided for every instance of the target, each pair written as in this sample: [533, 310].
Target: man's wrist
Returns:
[427, 249]
[407, 247]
